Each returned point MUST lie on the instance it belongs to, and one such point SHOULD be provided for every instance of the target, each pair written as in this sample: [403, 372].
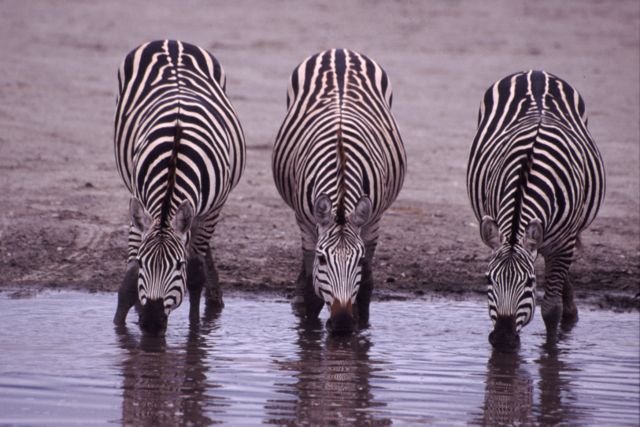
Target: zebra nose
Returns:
[341, 319]
[504, 336]
[153, 320]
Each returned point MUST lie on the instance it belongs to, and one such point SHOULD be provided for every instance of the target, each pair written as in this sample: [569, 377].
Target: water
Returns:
[421, 362]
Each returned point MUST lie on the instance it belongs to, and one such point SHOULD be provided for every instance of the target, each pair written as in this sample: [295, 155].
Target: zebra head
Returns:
[161, 264]
[511, 281]
[339, 259]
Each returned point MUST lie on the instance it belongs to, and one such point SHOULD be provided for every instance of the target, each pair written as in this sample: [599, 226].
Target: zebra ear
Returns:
[322, 210]
[532, 236]
[139, 218]
[362, 212]
[490, 233]
[182, 219]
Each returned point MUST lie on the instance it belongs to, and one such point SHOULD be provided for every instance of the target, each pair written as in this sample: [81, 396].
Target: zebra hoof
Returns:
[214, 299]
[552, 316]
[570, 314]
[215, 303]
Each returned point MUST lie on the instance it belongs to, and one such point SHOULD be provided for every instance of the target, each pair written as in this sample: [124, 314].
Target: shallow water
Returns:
[421, 361]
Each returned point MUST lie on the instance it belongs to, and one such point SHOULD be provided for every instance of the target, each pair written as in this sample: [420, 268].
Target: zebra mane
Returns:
[171, 176]
[341, 218]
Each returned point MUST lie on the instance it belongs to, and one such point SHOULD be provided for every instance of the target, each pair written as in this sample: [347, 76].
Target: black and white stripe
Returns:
[179, 150]
[535, 179]
[339, 163]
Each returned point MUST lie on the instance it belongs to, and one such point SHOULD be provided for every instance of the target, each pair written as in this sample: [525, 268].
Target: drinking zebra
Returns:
[180, 150]
[535, 179]
[339, 163]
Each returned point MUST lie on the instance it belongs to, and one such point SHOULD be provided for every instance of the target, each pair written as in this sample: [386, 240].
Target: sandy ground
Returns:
[63, 210]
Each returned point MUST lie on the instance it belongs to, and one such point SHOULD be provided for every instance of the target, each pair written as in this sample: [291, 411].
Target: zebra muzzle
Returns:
[504, 335]
[153, 319]
[341, 320]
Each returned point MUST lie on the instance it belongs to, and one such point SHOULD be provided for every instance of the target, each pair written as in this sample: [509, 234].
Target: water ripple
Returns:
[421, 362]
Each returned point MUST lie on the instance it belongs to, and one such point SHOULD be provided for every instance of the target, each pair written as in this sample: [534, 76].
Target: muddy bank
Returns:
[63, 207]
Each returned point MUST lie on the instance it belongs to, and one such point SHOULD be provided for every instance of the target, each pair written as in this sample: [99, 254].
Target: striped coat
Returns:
[338, 104]
[339, 163]
[163, 84]
[180, 150]
[535, 180]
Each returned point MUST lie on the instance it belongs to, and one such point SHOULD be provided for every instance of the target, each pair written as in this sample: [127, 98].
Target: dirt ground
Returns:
[63, 210]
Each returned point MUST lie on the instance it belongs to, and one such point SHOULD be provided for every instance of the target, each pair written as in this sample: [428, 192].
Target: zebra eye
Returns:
[488, 279]
[322, 260]
[180, 264]
[361, 262]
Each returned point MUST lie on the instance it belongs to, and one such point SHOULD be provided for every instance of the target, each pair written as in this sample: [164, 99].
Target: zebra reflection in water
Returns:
[332, 387]
[508, 398]
[163, 385]
[514, 397]
[556, 394]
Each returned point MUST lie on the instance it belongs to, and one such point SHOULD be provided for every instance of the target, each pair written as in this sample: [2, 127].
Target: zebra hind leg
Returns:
[306, 304]
[213, 291]
[196, 277]
[127, 294]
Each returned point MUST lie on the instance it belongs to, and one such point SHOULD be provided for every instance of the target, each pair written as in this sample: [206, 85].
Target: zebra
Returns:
[339, 162]
[180, 150]
[535, 179]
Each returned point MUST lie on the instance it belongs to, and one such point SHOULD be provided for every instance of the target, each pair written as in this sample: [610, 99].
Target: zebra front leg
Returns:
[569, 309]
[555, 286]
[306, 303]
[127, 294]
[196, 277]
[366, 287]
[213, 291]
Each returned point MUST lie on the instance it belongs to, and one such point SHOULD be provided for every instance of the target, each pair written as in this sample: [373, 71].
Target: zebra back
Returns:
[177, 136]
[533, 157]
[338, 138]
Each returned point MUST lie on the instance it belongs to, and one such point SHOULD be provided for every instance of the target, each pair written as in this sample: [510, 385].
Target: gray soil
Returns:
[63, 210]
